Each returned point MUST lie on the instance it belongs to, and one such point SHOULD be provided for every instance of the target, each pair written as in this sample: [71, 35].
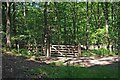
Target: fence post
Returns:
[79, 49]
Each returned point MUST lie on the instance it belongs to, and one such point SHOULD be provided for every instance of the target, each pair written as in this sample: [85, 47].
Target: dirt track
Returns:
[16, 67]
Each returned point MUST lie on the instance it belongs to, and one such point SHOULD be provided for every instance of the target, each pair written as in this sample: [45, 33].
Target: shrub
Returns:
[98, 52]
[22, 52]
[14, 51]
[85, 53]
[59, 63]
[103, 52]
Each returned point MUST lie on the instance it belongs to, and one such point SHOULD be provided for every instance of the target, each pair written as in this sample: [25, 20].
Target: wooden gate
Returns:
[65, 50]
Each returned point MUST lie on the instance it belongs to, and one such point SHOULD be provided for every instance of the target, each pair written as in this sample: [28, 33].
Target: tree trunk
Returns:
[98, 23]
[8, 42]
[87, 26]
[112, 9]
[45, 26]
[64, 29]
[105, 11]
[74, 24]
[46, 32]
[106, 22]
[13, 24]
[57, 23]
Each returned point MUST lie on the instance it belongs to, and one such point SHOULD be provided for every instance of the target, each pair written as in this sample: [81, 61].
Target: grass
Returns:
[58, 70]
[76, 72]
[94, 52]
[99, 52]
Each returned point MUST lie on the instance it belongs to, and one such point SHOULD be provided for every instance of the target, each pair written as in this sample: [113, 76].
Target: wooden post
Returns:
[18, 48]
[50, 49]
[79, 49]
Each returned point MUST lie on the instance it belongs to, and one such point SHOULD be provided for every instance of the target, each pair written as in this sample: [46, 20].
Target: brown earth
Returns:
[18, 67]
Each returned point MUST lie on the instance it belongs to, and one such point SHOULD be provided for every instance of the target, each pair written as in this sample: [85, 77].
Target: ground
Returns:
[18, 67]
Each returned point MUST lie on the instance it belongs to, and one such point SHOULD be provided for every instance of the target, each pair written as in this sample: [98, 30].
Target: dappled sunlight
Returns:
[85, 61]
[61, 71]
[60, 40]
[81, 61]
[20, 67]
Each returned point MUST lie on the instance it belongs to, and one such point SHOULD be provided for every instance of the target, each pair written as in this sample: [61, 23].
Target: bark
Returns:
[113, 22]
[46, 32]
[106, 17]
[105, 11]
[98, 23]
[8, 42]
[106, 22]
[79, 50]
[64, 29]
[74, 24]
[87, 27]
[57, 23]
[45, 26]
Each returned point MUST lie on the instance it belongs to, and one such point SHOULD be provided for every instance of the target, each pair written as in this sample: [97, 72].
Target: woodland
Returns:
[42, 39]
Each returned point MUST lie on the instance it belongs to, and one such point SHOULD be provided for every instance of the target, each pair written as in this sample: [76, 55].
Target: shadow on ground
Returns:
[18, 67]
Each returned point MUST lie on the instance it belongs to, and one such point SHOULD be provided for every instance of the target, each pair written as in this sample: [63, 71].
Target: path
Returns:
[16, 67]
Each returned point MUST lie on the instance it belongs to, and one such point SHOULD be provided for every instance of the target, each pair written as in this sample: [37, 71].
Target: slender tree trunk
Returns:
[74, 24]
[105, 10]
[112, 9]
[46, 32]
[87, 26]
[57, 23]
[8, 43]
[91, 10]
[24, 13]
[98, 16]
[45, 27]
[98, 23]
[117, 28]
[106, 22]
[64, 29]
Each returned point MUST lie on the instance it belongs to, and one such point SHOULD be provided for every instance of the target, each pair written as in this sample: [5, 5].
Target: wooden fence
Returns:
[64, 50]
[69, 50]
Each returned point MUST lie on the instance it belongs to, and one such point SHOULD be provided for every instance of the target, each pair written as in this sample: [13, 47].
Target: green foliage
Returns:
[39, 72]
[98, 52]
[60, 63]
[87, 53]
[98, 35]
[19, 37]
[27, 25]
[26, 53]
[75, 72]
[22, 52]
[101, 51]
[14, 51]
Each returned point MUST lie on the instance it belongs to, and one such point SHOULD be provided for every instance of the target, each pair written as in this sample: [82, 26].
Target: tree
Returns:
[8, 23]
[87, 26]
[106, 22]
[35, 24]
[46, 32]
[74, 23]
